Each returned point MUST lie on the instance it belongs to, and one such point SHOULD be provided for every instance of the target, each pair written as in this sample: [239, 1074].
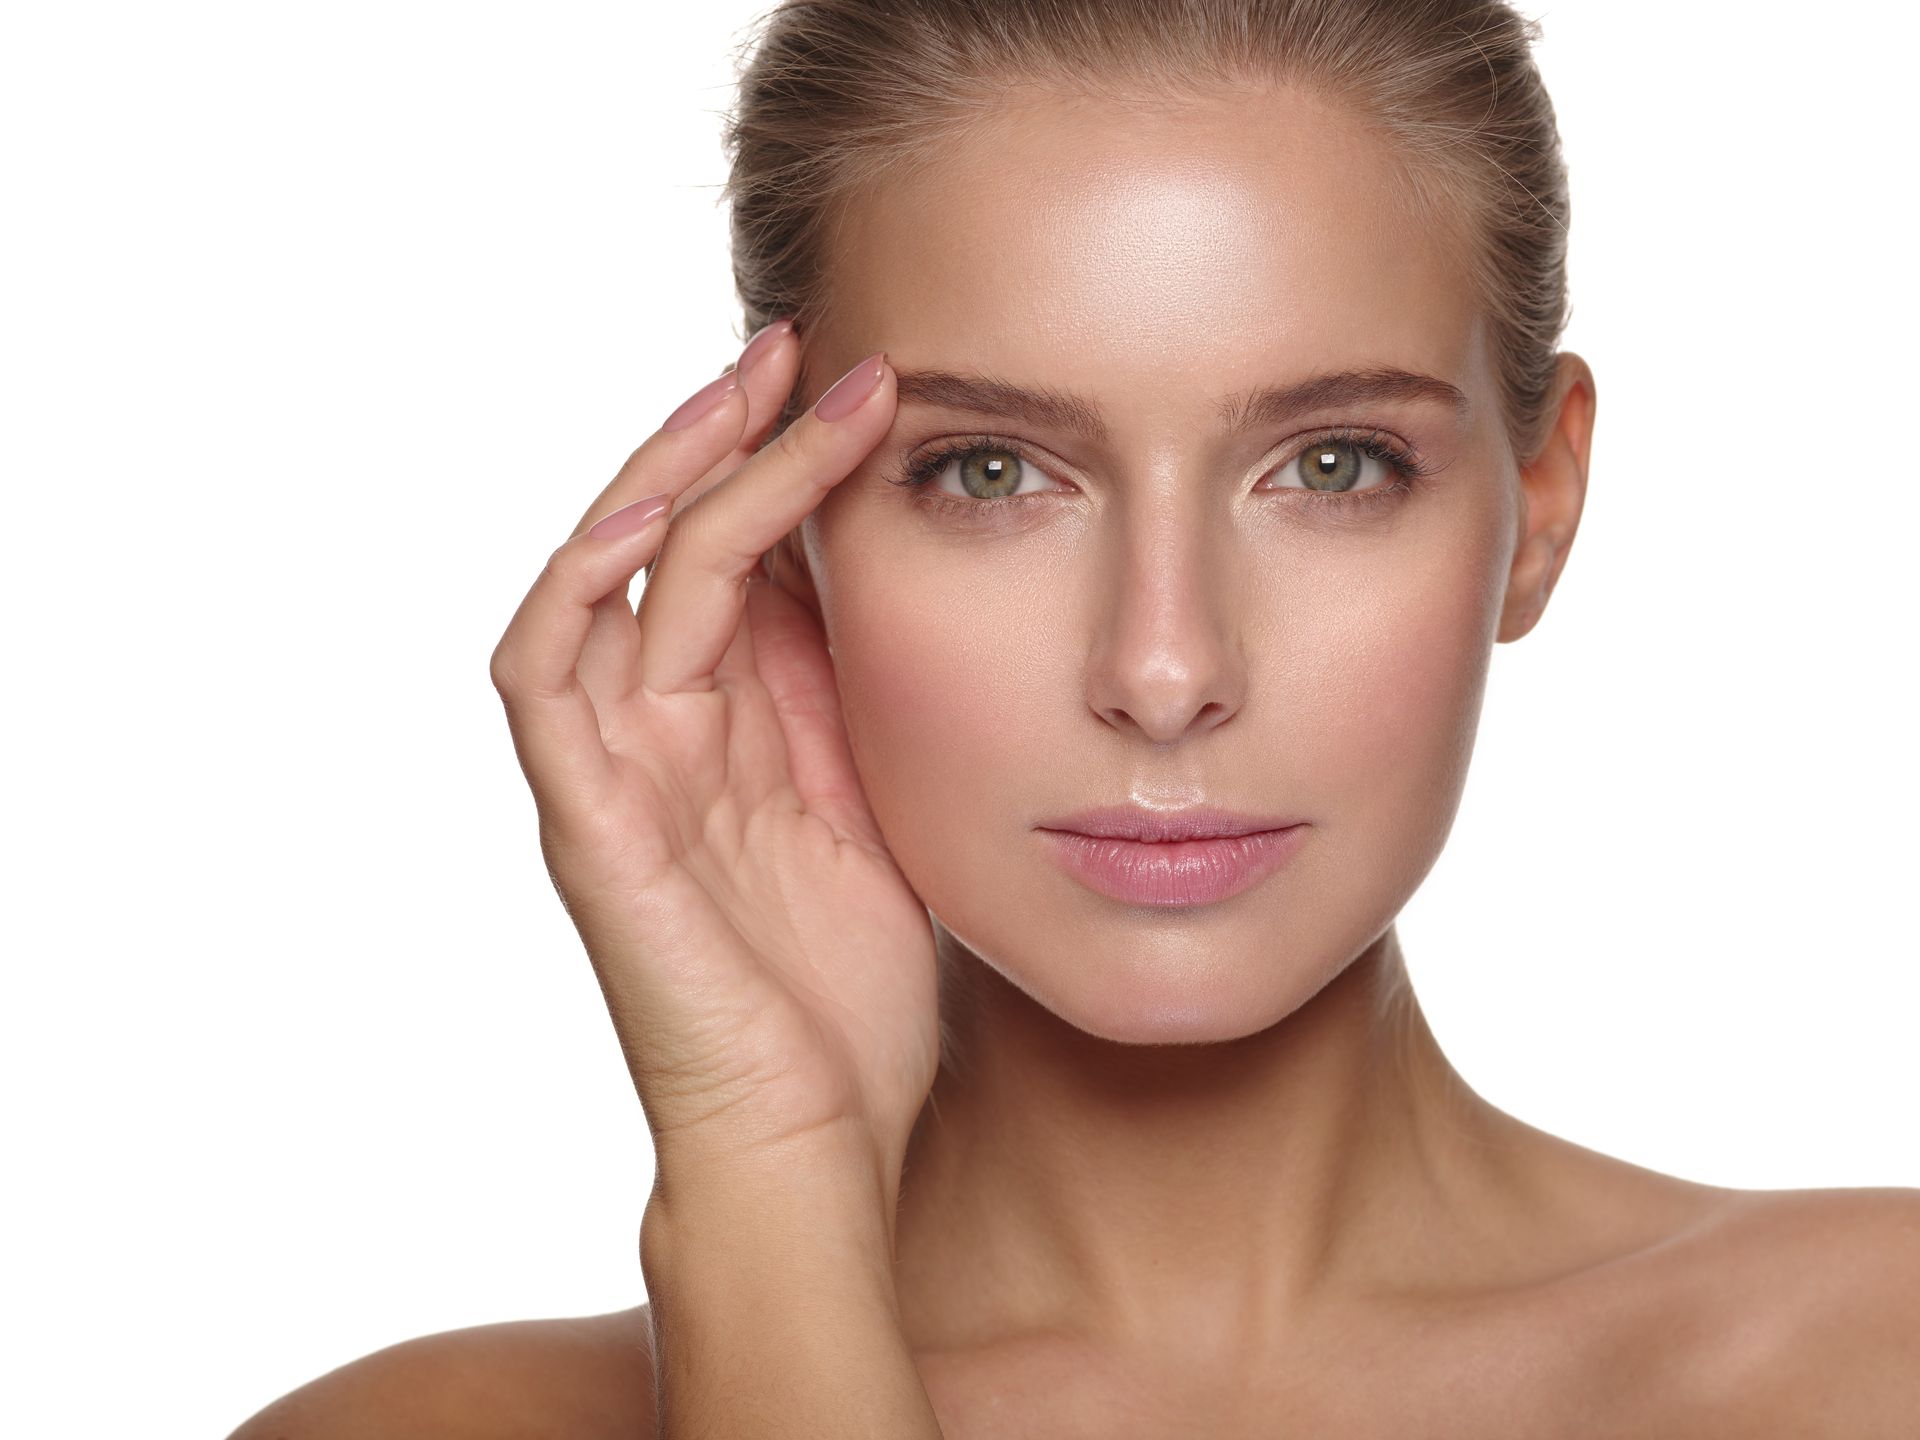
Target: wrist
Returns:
[830, 1195]
[774, 1305]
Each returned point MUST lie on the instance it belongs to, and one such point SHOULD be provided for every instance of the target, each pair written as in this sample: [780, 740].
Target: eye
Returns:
[990, 476]
[1339, 463]
[982, 471]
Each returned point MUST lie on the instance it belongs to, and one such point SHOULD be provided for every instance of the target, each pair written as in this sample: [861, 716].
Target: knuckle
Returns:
[501, 672]
[696, 541]
[793, 444]
[562, 567]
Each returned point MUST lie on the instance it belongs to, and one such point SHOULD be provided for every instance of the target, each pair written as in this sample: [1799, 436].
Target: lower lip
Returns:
[1174, 872]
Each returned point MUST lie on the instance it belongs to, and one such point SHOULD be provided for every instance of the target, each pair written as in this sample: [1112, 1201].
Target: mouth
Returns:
[1173, 872]
[1131, 822]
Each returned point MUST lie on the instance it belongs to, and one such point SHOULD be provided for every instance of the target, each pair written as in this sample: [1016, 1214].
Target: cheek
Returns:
[1391, 682]
[946, 695]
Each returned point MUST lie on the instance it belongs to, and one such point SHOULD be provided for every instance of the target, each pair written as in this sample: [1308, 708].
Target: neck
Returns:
[1186, 1194]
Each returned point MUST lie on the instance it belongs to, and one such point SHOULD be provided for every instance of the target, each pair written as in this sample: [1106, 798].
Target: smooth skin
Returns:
[1207, 1174]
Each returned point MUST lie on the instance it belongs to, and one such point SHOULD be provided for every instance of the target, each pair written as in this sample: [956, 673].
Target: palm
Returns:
[738, 849]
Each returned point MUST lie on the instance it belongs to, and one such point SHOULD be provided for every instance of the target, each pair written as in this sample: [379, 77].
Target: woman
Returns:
[1063, 642]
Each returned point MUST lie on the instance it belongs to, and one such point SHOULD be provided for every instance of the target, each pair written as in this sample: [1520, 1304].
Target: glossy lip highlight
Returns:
[1132, 822]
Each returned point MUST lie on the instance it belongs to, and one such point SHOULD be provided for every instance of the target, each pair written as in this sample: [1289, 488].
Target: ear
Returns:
[1553, 488]
[786, 566]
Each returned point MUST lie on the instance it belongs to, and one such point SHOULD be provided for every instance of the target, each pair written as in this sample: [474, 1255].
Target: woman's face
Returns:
[1165, 615]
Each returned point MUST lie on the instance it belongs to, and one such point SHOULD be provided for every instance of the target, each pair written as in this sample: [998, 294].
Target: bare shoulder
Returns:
[1815, 1298]
[571, 1379]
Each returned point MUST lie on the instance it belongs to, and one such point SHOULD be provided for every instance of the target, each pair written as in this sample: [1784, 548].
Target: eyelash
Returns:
[1406, 466]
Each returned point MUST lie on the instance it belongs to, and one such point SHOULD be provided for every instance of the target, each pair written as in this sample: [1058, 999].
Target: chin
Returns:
[1184, 981]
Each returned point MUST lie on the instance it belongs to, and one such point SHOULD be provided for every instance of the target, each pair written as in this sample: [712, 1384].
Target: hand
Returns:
[770, 973]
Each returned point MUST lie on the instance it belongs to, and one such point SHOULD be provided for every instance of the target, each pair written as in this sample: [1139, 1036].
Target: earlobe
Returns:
[1553, 491]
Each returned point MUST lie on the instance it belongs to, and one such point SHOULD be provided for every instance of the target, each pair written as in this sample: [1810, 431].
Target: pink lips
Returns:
[1188, 857]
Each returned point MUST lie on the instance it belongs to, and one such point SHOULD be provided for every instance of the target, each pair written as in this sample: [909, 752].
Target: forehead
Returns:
[1237, 239]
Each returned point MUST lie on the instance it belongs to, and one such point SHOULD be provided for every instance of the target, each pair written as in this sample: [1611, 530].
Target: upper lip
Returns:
[1130, 822]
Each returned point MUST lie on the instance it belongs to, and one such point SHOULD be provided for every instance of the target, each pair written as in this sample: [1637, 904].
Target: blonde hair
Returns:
[838, 94]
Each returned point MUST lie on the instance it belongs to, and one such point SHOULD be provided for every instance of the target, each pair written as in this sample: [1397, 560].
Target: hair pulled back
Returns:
[835, 96]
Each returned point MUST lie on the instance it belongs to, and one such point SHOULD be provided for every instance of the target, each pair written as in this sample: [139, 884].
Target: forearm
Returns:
[772, 1294]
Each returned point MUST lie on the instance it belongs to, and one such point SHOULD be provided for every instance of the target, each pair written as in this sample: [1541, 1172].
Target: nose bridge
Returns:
[1166, 655]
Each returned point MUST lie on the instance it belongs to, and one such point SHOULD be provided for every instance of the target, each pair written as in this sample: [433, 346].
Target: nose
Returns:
[1167, 659]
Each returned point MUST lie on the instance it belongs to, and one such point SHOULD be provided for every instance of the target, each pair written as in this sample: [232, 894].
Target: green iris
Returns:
[990, 474]
[1330, 465]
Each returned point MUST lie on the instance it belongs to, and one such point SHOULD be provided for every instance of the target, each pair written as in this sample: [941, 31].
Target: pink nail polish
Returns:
[845, 395]
[764, 339]
[701, 401]
[629, 518]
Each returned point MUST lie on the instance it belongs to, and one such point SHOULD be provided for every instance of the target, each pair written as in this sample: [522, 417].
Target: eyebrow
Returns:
[1264, 405]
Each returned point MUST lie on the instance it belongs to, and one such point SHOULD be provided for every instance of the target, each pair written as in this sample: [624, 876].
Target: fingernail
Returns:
[701, 401]
[629, 518]
[764, 339]
[845, 395]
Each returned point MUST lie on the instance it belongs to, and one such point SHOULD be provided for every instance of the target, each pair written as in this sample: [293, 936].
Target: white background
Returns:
[323, 323]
